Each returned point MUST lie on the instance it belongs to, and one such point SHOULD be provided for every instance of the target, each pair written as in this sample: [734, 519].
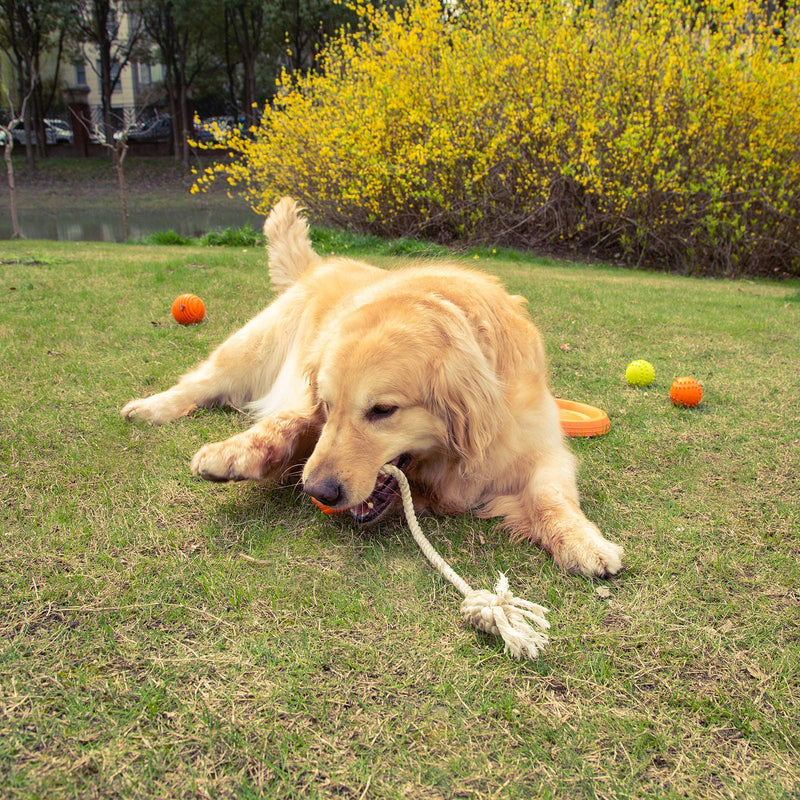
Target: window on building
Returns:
[115, 71]
[80, 74]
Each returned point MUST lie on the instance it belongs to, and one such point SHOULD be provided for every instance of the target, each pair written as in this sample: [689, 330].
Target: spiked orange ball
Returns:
[188, 309]
[686, 391]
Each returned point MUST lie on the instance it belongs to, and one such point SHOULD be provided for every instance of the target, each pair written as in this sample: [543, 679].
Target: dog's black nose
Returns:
[328, 491]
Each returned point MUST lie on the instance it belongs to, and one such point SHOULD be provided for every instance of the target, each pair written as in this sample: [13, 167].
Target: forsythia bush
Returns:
[666, 131]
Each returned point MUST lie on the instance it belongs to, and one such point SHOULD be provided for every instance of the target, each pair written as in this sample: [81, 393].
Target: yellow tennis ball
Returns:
[640, 373]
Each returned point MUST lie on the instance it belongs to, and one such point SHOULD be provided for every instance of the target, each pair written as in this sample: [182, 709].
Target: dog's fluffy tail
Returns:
[288, 244]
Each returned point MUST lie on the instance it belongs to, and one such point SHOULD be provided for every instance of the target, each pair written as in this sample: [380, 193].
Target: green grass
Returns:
[141, 655]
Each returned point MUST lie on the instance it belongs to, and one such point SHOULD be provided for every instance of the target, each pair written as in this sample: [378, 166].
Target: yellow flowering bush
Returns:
[664, 131]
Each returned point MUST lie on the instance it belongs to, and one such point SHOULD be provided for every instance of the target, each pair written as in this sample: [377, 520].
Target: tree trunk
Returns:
[172, 100]
[12, 188]
[230, 68]
[120, 151]
[185, 120]
[105, 90]
[30, 153]
[38, 111]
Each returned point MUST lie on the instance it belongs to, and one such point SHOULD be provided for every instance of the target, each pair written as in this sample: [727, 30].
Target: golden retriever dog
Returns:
[434, 368]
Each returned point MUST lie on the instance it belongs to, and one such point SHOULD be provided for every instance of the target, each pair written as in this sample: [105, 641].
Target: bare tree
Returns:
[120, 150]
[27, 30]
[16, 231]
[118, 146]
[100, 23]
[180, 29]
[8, 149]
[249, 22]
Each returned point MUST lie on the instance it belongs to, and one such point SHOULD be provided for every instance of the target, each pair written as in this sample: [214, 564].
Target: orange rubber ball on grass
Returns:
[188, 309]
[686, 391]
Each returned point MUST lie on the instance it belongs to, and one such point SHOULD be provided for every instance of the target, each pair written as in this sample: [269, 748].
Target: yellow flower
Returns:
[648, 131]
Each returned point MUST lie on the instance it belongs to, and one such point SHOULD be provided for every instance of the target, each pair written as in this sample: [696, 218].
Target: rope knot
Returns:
[502, 614]
[498, 612]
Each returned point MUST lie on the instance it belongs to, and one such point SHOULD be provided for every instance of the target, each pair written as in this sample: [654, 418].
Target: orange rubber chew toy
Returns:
[188, 309]
[577, 419]
[686, 391]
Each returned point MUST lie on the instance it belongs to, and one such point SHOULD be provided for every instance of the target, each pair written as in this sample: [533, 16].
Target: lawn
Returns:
[165, 637]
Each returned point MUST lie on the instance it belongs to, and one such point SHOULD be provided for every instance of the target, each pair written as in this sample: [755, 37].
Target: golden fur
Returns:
[434, 367]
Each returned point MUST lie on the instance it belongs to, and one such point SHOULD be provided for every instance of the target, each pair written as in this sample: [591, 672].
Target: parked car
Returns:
[214, 129]
[151, 130]
[18, 132]
[201, 133]
[97, 134]
[61, 129]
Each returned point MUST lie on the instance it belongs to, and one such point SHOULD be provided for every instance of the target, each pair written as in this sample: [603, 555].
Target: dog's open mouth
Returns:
[383, 496]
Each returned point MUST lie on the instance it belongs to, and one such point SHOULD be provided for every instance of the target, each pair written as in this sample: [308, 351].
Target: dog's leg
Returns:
[547, 512]
[266, 451]
[242, 368]
[562, 528]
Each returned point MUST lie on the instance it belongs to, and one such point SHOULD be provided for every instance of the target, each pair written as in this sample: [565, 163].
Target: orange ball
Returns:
[188, 309]
[686, 391]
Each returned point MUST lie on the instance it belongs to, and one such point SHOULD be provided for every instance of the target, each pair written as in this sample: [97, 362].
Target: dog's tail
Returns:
[288, 244]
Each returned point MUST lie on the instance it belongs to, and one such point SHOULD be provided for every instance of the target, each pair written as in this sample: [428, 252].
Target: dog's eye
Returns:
[380, 411]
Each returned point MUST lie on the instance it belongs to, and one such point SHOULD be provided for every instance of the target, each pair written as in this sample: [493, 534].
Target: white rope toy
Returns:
[498, 612]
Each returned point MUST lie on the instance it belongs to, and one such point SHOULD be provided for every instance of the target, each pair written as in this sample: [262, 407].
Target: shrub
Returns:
[666, 131]
[337, 241]
[232, 237]
[168, 237]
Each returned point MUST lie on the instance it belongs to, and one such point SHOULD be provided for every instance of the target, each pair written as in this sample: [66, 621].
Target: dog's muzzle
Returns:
[383, 497]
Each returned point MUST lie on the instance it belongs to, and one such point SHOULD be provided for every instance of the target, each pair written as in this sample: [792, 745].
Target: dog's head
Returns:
[396, 381]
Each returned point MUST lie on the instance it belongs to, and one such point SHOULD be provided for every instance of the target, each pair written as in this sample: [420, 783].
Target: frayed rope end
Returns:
[498, 612]
[502, 614]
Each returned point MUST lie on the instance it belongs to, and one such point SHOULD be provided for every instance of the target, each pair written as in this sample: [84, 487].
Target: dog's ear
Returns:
[463, 390]
[310, 370]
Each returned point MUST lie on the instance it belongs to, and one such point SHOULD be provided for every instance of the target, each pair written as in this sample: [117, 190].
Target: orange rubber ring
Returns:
[580, 419]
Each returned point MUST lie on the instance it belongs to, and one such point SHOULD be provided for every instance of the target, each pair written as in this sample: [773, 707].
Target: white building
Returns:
[138, 84]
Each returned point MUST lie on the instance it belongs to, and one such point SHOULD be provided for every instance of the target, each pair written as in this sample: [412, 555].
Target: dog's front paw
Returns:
[158, 409]
[592, 556]
[235, 459]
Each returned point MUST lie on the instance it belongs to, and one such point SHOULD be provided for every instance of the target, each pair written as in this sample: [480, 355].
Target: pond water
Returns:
[77, 225]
